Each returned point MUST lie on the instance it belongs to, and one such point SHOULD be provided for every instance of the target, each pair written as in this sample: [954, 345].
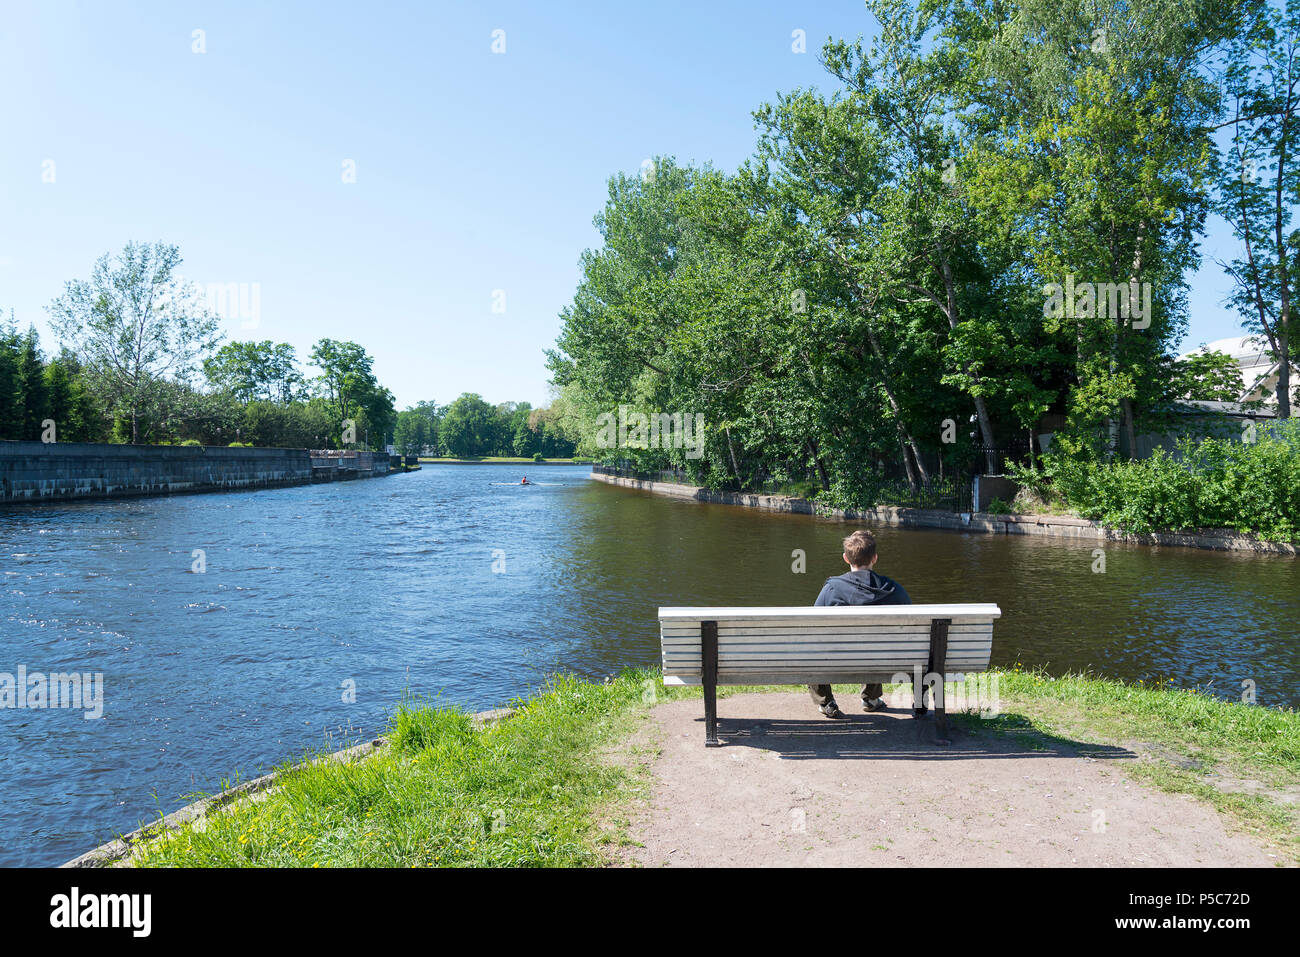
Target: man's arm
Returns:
[901, 597]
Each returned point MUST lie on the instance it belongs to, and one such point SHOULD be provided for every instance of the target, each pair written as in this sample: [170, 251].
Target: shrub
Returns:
[191, 442]
[1215, 483]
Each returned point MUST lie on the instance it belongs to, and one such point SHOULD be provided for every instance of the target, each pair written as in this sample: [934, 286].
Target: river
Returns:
[445, 584]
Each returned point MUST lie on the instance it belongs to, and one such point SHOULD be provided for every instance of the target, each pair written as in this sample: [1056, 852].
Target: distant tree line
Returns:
[141, 361]
[470, 427]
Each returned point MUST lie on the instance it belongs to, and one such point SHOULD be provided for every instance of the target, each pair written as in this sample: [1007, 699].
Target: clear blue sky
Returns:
[475, 171]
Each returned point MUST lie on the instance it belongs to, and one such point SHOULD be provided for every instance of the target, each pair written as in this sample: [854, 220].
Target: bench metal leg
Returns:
[939, 658]
[709, 658]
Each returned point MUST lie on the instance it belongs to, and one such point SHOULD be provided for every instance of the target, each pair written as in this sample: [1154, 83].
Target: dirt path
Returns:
[791, 788]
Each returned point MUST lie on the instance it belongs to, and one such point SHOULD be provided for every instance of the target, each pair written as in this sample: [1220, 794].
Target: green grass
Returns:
[1161, 713]
[548, 786]
[525, 791]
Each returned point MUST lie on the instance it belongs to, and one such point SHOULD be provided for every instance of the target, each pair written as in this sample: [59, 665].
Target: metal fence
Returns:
[950, 494]
[625, 469]
[993, 459]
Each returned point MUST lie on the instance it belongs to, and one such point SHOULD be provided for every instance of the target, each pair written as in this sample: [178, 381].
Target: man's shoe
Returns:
[832, 710]
[874, 704]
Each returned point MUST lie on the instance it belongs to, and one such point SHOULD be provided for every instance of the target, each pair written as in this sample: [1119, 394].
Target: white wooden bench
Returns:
[825, 645]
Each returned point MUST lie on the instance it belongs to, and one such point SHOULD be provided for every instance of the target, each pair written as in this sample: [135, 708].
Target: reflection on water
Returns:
[389, 583]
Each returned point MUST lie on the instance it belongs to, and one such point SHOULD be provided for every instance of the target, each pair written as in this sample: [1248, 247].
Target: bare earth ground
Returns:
[791, 788]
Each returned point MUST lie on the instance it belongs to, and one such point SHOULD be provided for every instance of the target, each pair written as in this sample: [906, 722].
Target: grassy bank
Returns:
[525, 791]
[547, 786]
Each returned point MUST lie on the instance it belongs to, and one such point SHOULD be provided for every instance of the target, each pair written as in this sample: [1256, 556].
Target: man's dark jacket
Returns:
[863, 587]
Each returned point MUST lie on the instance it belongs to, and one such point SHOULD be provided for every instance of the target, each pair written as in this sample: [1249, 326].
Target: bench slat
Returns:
[905, 662]
[693, 654]
[956, 613]
[815, 647]
[816, 624]
[795, 630]
[787, 678]
[839, 665]
[853, 653]
[815, 651]
[796, 642]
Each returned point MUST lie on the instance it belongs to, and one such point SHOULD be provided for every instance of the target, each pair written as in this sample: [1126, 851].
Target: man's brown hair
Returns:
[860, 547]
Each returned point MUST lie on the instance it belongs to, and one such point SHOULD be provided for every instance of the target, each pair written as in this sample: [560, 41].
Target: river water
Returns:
[445, 583]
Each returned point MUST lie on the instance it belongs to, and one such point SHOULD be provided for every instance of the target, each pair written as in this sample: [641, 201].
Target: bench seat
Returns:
[823, 645]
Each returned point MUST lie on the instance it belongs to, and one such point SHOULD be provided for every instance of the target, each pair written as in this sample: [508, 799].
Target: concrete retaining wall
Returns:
[60, 471]
[1059, 526]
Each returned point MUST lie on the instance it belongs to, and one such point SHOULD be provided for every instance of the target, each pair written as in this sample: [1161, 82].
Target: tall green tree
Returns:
[293, 425]
[1091, 145]
[870, 294]
[32, 388]
[347, 383]
[77, 414]
[11, 393]
[922, 247]
[255, 370]
[133, 324]
[1259, 183]
[411, 432]
[1204, 376]
[468, 427]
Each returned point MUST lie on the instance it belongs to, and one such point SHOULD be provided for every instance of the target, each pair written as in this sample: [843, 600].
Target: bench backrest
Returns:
[843, 643]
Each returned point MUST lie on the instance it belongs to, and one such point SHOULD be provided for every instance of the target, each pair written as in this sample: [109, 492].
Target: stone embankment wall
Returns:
[1059, 526]
[59, 471]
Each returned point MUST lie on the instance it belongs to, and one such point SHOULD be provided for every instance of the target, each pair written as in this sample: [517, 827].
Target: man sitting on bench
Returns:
[861, 585]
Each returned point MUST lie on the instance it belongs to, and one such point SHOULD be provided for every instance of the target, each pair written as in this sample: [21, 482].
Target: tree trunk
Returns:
[862, 307]
[1126, 404]
[1282, 329]
[1130, 431]
[907, 462]
[886, 382]
[1283, 374]
[981, 409]
[821, 466]
[986, 433]
[735, 469]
